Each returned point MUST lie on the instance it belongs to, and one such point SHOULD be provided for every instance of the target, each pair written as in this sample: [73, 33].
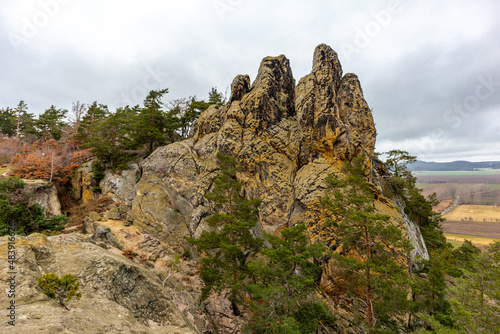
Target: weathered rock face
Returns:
[122, 186]
[287, 138]
[82, 183]
[118, 295]
[45, 194]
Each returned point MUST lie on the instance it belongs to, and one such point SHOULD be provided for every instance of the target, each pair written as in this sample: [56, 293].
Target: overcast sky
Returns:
[429, 70]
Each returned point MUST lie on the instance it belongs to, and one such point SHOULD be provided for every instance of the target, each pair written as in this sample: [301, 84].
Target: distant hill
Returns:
[452, 166]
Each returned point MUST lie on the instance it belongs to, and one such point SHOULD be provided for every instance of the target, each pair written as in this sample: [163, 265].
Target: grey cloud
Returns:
[427, 59]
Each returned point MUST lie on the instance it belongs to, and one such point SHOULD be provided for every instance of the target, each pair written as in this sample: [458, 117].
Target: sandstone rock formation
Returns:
[286, 137]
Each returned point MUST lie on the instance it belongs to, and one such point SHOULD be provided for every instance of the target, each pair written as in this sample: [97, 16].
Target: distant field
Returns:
[465, 186]
[480, 230]
[478, 213]
[478, 223]
[477, 218]
[446, 173]
[470, 193]
[488, 178]
[474, 187]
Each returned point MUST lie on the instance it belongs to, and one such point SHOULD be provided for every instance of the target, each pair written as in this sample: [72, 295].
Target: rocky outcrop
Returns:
[122, 186]
[82, 183]
[45, 194]
[332, 112]
[287, 138]
[118, 295]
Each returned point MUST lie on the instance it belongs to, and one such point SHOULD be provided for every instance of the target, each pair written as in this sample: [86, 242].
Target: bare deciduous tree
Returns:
[76, 114]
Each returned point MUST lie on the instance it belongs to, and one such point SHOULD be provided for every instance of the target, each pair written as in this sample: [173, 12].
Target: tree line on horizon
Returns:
[418, 166]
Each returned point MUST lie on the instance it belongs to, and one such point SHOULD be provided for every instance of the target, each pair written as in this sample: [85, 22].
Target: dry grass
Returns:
[477, 212]
[78, 213]
[457, 239]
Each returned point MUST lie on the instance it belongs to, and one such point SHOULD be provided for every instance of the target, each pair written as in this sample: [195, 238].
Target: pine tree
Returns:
[51, 123]
[416, 206]
[215, 97]
[370, 246]
[153, 127]
[26, 123]
[190, 114]
[475, 298]
[95, 113]
[429, 291]
[283, 284]
[107, 134]
[21, 110]
[397, 161]
[229, 247]
[8, 122]
[15, 207]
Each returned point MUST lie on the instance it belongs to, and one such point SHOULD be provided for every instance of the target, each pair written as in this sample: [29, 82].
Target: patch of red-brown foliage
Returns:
[49, 160]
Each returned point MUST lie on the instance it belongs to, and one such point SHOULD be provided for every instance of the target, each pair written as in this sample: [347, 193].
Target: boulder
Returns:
[113, 213]
[45, 194]
[103, 234]
[121, 186]
[94, 216]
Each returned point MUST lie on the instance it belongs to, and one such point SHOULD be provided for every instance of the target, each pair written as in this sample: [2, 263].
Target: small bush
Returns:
[61, 289]
[47, 160]
[9, 147]
[186, 254]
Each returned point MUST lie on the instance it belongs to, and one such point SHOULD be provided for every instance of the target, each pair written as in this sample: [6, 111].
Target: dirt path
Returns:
[477, 229]
[451, 207]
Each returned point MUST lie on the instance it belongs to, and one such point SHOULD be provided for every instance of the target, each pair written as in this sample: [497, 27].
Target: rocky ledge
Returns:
[118, 295]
